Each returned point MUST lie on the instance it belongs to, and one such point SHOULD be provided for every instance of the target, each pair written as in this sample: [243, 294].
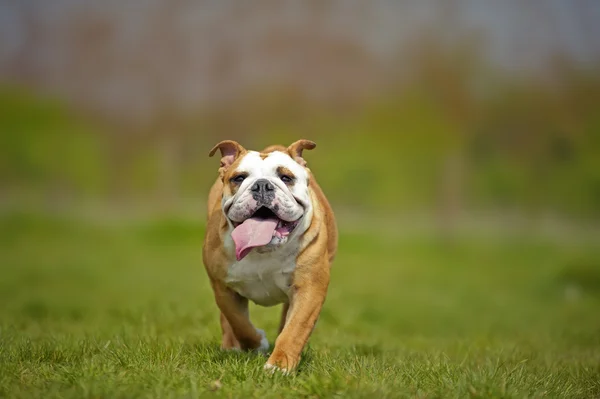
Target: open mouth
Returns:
[263, 213]
[258, 230]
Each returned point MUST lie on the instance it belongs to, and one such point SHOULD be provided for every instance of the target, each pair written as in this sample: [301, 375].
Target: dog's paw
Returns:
[264, 342]
[282, 362]
[271, 368]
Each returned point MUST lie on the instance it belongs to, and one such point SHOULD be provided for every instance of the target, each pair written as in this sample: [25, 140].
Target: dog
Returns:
[271, 238]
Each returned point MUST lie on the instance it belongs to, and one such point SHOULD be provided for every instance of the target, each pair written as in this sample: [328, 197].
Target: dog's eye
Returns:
[238, 178]
[286, 179]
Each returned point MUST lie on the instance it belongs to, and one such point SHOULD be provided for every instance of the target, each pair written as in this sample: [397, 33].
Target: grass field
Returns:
[109, 310]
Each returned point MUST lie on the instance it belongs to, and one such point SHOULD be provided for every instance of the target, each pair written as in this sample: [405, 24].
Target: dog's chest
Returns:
[263, 278]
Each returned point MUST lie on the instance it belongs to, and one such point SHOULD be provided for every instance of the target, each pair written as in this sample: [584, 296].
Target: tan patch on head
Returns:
[229, 174]
[282, 170]
[265, 153]
[275, 147]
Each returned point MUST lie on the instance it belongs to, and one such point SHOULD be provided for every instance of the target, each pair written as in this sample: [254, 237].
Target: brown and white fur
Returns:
[291, 270]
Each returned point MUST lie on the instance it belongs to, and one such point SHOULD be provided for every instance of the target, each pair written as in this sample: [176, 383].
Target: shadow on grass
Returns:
[215, 354]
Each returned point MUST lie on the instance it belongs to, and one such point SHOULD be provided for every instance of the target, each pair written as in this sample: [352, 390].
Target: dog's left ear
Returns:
[295, 150]
[230, 151]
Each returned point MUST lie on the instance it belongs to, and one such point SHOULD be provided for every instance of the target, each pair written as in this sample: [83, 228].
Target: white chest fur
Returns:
[263, 278]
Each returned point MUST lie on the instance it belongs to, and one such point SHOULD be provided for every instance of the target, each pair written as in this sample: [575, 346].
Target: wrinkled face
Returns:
[270, 187]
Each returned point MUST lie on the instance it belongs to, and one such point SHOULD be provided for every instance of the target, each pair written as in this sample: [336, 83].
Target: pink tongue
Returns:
[252, 233]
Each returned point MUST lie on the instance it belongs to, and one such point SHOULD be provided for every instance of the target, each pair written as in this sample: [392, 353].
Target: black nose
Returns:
[262, 186]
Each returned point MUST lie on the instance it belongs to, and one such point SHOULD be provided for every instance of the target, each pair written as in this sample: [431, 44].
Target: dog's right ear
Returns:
[230, 151]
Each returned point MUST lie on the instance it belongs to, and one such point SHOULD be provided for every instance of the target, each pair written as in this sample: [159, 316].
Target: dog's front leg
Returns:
[284, 314]
[235, 309]
[306, 300]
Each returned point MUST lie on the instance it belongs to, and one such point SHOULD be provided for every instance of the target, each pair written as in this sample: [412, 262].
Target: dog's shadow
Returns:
[213, 353]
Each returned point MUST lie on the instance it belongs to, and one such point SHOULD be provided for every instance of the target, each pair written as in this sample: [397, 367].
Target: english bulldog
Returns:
[271, 237]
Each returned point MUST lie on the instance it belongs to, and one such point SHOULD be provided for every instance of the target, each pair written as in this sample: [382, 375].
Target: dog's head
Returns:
[265, 194]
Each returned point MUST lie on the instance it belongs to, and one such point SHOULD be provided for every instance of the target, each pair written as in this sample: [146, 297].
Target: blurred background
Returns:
[458, 142]
[451, 112]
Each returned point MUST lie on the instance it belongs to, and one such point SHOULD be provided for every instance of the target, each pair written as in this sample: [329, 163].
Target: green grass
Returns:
[125, 310]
